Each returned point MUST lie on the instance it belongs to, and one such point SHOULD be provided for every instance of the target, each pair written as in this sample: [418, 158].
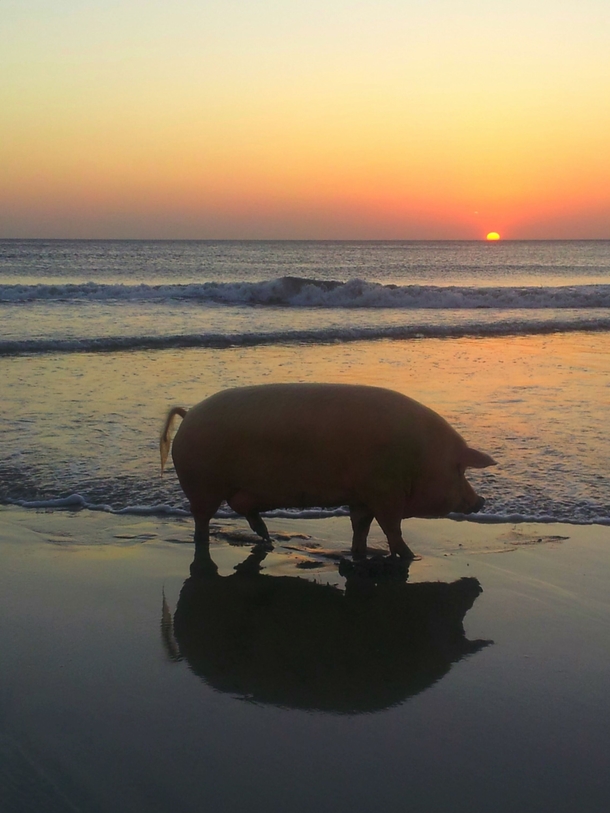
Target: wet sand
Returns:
[298, 682]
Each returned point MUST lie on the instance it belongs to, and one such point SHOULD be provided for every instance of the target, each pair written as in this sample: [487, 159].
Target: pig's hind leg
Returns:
[203, 511]
[361, 518]
[255, 521]
[244, 503]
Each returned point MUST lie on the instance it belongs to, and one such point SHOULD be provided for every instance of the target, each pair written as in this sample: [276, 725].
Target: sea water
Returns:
[509, 341]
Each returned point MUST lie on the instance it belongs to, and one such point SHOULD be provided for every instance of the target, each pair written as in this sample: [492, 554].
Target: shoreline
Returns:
[75, 503]
[437, 537]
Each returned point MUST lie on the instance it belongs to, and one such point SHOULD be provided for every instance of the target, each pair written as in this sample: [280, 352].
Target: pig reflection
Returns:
[295, 643]
[321, 445]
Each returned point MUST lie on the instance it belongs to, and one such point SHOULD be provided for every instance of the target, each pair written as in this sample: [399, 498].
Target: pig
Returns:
[384, 455]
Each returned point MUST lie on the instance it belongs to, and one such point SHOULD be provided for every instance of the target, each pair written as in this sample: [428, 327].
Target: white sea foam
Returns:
[316, 293]
[75, 502]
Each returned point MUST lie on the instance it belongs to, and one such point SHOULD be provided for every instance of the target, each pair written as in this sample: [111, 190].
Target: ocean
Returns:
[509, 341]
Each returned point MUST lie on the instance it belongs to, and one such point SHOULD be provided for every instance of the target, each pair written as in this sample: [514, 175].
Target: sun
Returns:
[493, 235]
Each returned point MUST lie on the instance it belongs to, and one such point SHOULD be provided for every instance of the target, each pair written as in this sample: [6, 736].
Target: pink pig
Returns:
[384, 455]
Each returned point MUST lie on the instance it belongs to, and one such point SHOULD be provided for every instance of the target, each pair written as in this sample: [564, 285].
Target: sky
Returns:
[286, 119]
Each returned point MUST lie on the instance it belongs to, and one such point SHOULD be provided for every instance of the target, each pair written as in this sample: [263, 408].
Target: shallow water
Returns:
[89, 424]
[86, 423]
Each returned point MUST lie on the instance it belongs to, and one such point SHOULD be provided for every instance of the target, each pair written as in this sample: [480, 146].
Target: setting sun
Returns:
[322, 124]
[493, 235]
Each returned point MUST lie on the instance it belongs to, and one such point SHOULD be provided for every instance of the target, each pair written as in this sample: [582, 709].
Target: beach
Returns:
[475, 680]
[337, 275]
[109, 706]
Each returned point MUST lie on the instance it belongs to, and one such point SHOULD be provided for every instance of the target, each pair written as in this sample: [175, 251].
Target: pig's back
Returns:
[329, 413]
[301, 440]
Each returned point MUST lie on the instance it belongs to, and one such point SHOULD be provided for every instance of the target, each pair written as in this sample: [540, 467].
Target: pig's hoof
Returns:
[407, 555]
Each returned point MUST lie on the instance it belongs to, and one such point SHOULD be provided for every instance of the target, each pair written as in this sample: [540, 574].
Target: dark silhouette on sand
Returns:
[296, 643]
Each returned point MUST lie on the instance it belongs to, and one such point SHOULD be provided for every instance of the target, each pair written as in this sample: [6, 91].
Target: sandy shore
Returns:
[296, 682]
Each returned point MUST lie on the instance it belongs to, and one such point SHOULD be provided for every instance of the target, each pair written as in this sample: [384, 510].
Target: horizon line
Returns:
[308, 240]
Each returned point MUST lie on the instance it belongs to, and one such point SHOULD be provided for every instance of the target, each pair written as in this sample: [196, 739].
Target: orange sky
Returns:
[330, 119]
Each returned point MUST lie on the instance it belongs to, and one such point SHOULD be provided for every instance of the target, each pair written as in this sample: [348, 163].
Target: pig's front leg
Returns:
[388, 514]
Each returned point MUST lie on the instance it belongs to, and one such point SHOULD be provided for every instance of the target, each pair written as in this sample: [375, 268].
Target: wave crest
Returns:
[297, 292]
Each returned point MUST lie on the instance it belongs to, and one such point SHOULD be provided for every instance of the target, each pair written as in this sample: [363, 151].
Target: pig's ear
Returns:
[473, 459]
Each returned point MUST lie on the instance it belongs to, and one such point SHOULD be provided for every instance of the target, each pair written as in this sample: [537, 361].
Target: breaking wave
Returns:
[297, 292]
